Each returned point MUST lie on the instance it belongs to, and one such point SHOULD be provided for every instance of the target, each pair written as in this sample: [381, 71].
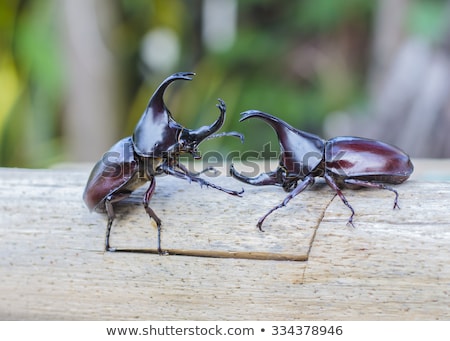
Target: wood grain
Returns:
[308, 264]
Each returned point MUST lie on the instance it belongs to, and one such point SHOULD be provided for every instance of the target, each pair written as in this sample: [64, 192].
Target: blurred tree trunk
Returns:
[91, 116]
[413, 108]
[411, 99]
[409, 88]
[389, 33]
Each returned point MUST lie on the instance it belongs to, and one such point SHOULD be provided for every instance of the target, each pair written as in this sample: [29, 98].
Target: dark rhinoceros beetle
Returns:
[344, 162]
[154, 149]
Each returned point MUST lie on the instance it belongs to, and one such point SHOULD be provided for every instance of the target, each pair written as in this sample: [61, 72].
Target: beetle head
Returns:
[301, 153]
[157, 131]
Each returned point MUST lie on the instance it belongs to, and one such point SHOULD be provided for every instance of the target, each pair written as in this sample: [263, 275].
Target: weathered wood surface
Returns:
[307, 265]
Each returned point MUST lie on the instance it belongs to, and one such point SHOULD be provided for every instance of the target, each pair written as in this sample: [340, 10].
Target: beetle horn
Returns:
[217, 124]
[301, 152]
[270, 178]
[193, 137]
[288, 136]
[281, 127]
[156, 102]
[207, 132]
[157, 118]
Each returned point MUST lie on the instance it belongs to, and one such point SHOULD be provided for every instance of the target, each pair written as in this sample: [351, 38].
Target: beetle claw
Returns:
[163, 252]
[350, 222]
[259, 226]
[396, 200]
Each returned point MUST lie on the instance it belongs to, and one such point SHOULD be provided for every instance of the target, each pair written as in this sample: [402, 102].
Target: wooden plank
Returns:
[205, 222]
[196, 221]
[393, 265]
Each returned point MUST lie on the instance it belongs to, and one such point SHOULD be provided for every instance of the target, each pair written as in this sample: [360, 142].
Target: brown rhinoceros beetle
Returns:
[153, 149]
[344, 162]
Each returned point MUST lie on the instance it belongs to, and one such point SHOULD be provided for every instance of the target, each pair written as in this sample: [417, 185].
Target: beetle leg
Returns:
[110, 199]
[111, 216]
[368, 184]
[207, 169]
[330, 181]
[148, 195]
[309, 180]
[189, 177]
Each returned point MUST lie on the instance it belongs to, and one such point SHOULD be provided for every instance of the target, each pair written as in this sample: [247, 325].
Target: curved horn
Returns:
[155, 126]
[281, 127]
[157, 100]
[207, 132]
[204, 132]
[301, 152]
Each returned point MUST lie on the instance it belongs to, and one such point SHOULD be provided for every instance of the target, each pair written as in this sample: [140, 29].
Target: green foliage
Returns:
[31, 58]
[299, 60]
[428, 19]
[326, 15]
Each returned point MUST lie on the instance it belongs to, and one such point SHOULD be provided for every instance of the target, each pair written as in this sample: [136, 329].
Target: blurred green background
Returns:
[75, 75]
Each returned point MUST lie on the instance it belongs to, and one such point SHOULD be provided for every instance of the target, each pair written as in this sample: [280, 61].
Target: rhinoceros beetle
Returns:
[153, 149]
[344, 162]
